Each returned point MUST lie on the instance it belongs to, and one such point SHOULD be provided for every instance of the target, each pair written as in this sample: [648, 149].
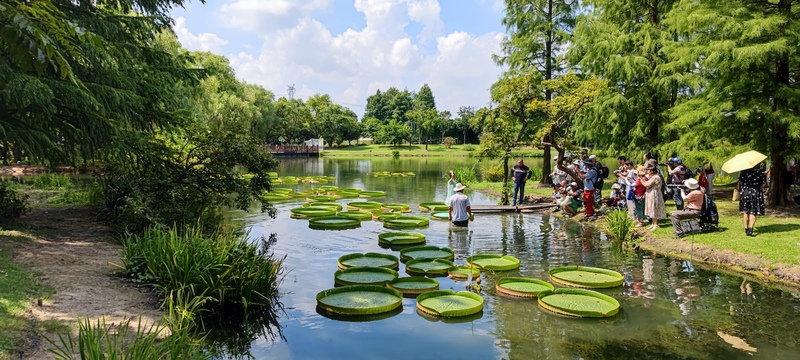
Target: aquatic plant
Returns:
[620, 225]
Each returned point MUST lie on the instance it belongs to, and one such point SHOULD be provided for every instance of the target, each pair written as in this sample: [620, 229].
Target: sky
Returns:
[349, 49]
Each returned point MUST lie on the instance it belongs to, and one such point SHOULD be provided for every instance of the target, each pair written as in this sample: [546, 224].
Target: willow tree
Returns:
[744, 63]
[623, 41]
[538, 32]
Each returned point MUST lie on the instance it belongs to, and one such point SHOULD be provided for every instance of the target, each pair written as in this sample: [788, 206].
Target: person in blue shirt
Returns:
[521, 175]
[589, 180]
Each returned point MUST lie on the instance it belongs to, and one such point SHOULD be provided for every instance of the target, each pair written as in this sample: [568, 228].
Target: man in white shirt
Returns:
[460, 211]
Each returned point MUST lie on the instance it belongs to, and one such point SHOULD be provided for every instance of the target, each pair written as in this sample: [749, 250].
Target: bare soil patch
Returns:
[74, 254]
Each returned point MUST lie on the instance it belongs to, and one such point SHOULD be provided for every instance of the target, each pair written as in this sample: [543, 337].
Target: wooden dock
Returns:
[527, 208]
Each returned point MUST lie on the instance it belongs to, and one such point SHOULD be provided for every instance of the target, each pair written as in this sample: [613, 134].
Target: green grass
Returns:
[777, 238]
[18, 290]
[386, 150]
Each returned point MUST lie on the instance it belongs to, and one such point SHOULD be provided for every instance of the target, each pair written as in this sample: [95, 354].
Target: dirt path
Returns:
[73, 253]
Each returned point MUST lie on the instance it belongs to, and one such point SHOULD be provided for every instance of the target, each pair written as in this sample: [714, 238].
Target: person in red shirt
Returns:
[693, 203]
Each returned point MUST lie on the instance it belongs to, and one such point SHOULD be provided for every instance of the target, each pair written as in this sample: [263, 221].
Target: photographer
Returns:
[694, 203]
[570, 199]
[677, 173]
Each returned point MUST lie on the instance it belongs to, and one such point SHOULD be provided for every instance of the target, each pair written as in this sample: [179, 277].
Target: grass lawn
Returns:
[18, 290]
[434, 150]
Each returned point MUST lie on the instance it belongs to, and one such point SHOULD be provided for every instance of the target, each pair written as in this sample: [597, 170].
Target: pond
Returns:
[669, 309]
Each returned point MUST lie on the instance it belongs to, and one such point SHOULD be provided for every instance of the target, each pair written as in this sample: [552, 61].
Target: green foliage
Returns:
[394, 133]
[536, 174]
[448, 142]
[223, 266]
[51, 181]
[466, 174]
[620, 225]
[12, 203]
[100, 341]
[396, 154]
[469, 147]
[720, 179]
[493, 173]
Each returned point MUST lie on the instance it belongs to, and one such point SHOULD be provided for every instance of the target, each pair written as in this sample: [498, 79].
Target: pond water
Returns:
[668, 308]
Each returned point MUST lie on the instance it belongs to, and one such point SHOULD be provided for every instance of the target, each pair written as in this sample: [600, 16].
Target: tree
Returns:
[741, 59]
[424, 99]
[293, 116]
[538, 30]
[378, 108]
[427, 121]
[463, 123]
[394, 133]
[623, 42]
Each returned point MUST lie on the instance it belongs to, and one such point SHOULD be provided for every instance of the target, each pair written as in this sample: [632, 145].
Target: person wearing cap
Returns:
[558, 175]
[460, 210]
[589, 181]
[617, 197]
[571, 200]
[521, 175]
[694, 203]
[677, 173]
[598, 192]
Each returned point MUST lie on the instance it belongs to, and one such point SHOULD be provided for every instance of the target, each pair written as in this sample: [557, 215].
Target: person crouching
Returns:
[693, 203]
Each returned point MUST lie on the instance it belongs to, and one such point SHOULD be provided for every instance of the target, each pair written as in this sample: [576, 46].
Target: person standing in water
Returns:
[451, 185]
[460, 211]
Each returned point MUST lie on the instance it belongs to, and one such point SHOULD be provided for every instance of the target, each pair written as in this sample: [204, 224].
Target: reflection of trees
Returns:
[232, 331]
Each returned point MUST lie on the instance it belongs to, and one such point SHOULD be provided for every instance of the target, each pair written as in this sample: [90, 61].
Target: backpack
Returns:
[666, 191]
[688, 173]
[602, 171]
[703, 180]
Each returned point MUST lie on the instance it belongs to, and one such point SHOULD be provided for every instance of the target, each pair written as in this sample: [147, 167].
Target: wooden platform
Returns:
[482, 209]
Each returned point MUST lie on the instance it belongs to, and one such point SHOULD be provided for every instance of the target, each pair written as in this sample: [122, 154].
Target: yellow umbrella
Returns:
[743, 161]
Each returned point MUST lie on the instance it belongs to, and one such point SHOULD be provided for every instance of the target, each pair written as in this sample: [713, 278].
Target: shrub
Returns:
[620, 225]
[51, 181]
[12, 203]
[493, 173]
[224, 266]
[396, 154]
[466, 175]
[536, 173]
[722, 179]
[469, 147]
[448, 142]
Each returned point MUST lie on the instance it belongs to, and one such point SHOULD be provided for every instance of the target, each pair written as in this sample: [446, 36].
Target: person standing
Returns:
[460, 210]
[639, 192]
[751, 202]
[653, 199]
[693, 204]
[521, 175]
[677, 173]
[709, 170]
[589, 181]
[451, 185]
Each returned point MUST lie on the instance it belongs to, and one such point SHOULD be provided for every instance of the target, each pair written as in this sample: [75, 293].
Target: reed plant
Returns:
[223, 266]
[620, 224]
[97, 340]
[466, 175]
[722, 179]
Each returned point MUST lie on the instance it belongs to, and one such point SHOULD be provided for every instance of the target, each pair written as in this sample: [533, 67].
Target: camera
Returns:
[662, 164]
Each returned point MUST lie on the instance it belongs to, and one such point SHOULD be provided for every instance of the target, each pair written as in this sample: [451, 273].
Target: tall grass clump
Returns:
[722, 179]
[620, 225]
[51, 181]
[223, 266]
[466, 175]
[99, 341]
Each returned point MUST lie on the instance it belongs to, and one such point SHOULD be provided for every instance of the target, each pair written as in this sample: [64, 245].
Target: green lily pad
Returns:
[396, 207]
[320, 198]
[371, 194]
[382, 216]
[522, 287]
[359, 300]
[414, 285]
[448, 303]
[409, 173]
[355, 190]
[288, 180]
[327, 188]
[430, 267]
[329, 204]
[586, 277]
[364, 205]
[358, 215]
[440, 216]
[363, 275]
[401, 238]
[426, 252]
[277, 190]
[369, 259]
[462, 272]
[440, 208]
[406, 222]
[333, 223]
[578, 303]
[310, 212]
[426, 206]
[274, 197]
[346, 194]
[494, 262]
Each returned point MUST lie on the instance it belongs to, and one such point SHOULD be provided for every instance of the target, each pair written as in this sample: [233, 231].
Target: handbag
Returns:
[736, 194]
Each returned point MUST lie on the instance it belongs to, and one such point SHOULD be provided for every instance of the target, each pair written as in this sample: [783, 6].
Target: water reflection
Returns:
[669, 308]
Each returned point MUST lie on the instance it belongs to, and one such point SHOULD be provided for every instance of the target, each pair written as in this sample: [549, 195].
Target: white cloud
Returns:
[353, 64]
[260, 15]
[202, 42]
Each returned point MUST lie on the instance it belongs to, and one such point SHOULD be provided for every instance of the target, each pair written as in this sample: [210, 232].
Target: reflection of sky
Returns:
[658, 293]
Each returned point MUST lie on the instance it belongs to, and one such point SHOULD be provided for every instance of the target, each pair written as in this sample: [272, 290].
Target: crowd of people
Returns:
[643, 189]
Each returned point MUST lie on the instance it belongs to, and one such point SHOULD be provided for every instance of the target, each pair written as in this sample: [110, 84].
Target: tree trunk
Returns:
[778, 194]
[504, 198]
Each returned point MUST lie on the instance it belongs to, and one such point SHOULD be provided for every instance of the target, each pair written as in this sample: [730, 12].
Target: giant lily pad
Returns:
[396, 207]
[414, 285]
[330, 204]
[426, 206]
[358, 215]
[409, 173]
[333, 223]
[440, 216]
[345, 194]
[448, 303]
[522, 287]
[586, 277]
[462, 272]
[494, 262]
[364, 205]
[405, 222]
[310, 212]
[578, 303]
[426, 252]
[430, 267]
[363, 275]
[274, 197]
[369, 259]
[401, 238]
[440, 208]
[371, 194]
[282, 190]
[382, 216]
[320, 198]
[359, 300]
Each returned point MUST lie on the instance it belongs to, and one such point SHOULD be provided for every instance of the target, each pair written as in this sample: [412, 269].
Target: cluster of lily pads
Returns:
[391, 174]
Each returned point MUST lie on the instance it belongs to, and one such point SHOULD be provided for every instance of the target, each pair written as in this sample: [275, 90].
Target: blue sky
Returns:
[351, 48]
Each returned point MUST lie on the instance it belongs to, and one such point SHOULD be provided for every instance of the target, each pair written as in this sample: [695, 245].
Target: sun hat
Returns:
[459, 187]
[615, 186]
[691, 184]
[593, 156]
[573, 183]
[576, 162]
[555, 157]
